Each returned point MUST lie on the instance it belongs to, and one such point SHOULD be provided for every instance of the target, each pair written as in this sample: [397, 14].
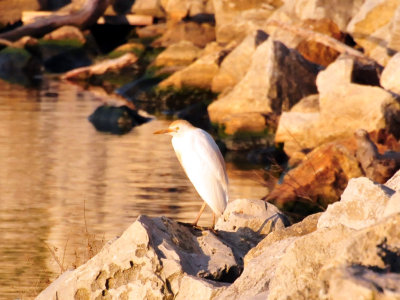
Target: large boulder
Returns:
[344, 107]
[236, 64]
[319, 180]
[372, 27]
[390, 78]
[157, 258]
[362, 204]
[276, 80]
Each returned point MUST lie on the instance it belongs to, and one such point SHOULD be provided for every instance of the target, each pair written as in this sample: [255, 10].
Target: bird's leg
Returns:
[198, 216]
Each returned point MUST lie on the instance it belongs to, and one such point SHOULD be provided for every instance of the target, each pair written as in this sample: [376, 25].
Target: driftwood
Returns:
[323, 39]
[102, 67]
[29, 17]
[83, 18]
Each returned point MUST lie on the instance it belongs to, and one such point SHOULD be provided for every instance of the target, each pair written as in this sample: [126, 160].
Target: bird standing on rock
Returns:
[203, 163]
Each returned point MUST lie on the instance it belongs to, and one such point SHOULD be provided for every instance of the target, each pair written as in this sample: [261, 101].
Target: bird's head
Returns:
[178, 126]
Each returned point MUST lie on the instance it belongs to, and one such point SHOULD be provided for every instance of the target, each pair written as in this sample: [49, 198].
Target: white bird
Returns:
[203, 163]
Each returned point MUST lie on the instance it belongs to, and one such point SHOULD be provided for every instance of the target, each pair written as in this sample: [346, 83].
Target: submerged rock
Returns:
[116, 120]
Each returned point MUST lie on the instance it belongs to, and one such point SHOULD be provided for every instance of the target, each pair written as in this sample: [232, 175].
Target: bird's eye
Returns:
[176, 128]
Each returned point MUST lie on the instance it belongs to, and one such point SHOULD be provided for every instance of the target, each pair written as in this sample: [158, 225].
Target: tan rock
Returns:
[130, 47]
[394, 182]
[390, 78]
[236, 64]
[199, 34]
[245, 122]
[235, 20]
[148, 7]
[138, 264]
[309, 104]
[178, 9]
[180, 54]
[344, 108]
[198, 74]
[270, 85]
[371, 27]
[362, 204]
[154, 30]
[66, 33]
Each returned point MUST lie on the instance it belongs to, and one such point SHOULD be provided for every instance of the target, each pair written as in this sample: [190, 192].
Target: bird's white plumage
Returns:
[197, 149]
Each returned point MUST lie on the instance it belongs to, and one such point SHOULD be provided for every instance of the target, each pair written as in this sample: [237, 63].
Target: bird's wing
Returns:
[204, 165]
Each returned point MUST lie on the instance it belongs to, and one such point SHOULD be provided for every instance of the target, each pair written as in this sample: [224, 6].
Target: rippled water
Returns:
[65, 188]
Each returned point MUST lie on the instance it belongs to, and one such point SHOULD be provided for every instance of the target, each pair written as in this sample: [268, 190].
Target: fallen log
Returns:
[102, 67]
[87, 16]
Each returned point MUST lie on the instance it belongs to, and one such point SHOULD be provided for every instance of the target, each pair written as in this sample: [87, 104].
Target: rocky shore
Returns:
[350, 251]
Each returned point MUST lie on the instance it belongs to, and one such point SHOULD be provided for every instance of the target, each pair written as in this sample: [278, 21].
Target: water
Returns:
[65, 188]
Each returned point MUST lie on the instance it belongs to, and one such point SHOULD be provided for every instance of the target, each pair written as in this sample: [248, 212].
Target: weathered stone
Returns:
[150, 259]
[148, 7]
[390, 78]
[180, 54]
[236, 64]
[246, 222]
[198, 74]
[360, 106]
[176, 10]
[244, 122]
[277, 79]
[317, 52]
[199, 34]
[154, 30]
[309, 104]
[235, 20]
[12, 10]
[371, 27]
[66, 33]
[394, 182]
[362, 204]
[318, 180]
[339, 12]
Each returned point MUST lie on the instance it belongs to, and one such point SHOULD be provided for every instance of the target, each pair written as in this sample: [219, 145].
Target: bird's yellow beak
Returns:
[168, 130]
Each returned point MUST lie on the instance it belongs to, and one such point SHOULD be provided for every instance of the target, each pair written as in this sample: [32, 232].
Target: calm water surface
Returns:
[65, 188]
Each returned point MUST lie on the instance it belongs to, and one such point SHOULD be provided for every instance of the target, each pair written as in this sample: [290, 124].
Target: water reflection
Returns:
[62, 183]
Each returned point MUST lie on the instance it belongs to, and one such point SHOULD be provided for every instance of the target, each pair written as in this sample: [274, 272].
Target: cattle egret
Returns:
[203, 163]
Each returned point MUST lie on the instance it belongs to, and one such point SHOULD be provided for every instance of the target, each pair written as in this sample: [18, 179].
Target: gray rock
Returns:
[362, 204]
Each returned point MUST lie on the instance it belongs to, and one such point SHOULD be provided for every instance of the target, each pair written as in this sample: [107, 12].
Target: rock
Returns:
[179, 54]
[390, 75]
[12, 11]
[376, 109]
[136, 48]
[236, 64]
[199, 34]
[151, 31]
[246, 222]
[235, 20]
[198, 74]
[176, 10]
[371, 28]
[270, 85]
[318, 180]
[66, 33]
[244, 122]
[116, 120]
[362, 204]
[150, 259]
[317, 52]
[18, 66]
[148, 7]
[394, 182]
[306, 264]
[339, 12]
[309, 104]
[262, 260]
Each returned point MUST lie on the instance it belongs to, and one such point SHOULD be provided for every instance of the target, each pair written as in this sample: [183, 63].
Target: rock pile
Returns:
[351, 251]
